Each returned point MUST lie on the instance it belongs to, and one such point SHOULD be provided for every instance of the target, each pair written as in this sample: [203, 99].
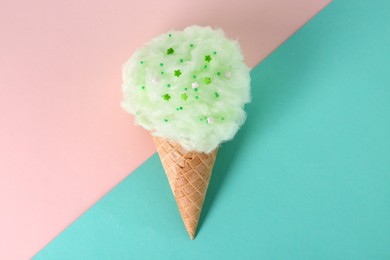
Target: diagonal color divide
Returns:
[64, 140]
[307, 176]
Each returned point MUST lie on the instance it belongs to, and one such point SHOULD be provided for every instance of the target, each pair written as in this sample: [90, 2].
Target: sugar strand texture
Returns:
[188, 86]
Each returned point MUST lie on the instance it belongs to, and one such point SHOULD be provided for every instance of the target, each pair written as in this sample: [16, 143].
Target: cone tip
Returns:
[191, 231]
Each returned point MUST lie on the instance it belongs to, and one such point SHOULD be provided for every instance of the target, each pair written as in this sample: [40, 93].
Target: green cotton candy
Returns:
[188, 86]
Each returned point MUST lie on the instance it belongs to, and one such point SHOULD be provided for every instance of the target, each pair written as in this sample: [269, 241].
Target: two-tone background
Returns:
[307, 177]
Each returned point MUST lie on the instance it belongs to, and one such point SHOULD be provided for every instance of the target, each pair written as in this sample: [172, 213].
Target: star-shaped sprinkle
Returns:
[228, 75]
[166, 97]
[210, 120]
[195, 85]
[207, 58]
[184, 96]
[177, 73]
[207, 80]
[170, 51]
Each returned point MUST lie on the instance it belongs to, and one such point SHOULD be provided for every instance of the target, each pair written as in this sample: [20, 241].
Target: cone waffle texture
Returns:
[189, 174]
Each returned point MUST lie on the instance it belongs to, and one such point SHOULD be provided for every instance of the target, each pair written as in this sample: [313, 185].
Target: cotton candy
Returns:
[188, 86]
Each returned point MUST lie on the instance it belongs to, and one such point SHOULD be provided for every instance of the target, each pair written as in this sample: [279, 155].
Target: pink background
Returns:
[64, 140]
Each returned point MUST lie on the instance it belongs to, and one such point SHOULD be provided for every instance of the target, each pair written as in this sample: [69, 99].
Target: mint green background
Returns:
[307, 177]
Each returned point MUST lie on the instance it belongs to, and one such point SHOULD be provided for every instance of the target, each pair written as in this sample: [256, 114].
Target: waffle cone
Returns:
[189, 175]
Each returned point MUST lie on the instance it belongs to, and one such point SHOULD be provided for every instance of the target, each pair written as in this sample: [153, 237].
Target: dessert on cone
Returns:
[188, 88]
[189, 175]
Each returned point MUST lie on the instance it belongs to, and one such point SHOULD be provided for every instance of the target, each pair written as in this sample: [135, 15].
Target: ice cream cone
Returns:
[189, 86]
[189, 174]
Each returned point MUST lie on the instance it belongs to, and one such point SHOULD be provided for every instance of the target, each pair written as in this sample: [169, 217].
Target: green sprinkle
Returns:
[177, 109]
[222, 118]
[196, 97]
[214, 52]
[170, 51]
[207, 80]
[165, 120]
[168, 85]
[181, 108]
[184, 96]
[201, 119]
[161, 64]
[166, 97]
[170, 35]
[196, 89]
[142, 62]
[177, 73]
[186, 89]
[218, 73]
[205, 66]
[194, 76]
[181, 60]
[143, 87]
[216, 94]
[207, 58]
[191, 45]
